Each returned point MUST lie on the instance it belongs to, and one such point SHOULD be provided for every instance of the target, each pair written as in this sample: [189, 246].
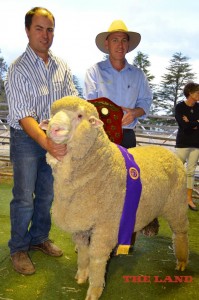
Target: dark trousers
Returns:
[129, 139]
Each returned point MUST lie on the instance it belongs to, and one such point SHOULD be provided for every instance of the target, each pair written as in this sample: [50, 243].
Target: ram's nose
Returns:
[55, 130]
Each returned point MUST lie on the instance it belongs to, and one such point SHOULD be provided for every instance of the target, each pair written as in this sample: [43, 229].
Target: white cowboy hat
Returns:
[117, 26]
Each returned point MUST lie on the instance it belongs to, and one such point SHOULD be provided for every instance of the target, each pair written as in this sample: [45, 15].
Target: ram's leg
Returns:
[101, 245]
[181, 250]
[177, 216]
[179, 225]
[82, 246]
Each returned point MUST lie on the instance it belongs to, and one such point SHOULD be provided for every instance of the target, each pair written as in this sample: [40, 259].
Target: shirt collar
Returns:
[107, 64]
[30, 52]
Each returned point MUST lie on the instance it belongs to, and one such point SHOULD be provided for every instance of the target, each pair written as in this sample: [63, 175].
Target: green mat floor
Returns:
[54, 277]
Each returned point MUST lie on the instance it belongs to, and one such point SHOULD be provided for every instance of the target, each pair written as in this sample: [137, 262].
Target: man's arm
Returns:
[31, 127]
[131, 115]
[90, 85]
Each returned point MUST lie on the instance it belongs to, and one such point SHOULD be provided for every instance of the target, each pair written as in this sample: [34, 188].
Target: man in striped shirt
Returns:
[34, 81]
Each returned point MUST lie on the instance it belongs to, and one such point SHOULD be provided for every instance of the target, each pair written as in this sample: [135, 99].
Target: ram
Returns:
[90, 186]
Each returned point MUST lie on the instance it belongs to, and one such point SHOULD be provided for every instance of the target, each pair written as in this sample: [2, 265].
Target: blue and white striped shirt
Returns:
[31, 86]
[128, 88]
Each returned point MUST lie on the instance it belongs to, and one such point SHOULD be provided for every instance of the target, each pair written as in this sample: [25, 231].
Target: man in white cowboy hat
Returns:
[119, 81]
[122, 83]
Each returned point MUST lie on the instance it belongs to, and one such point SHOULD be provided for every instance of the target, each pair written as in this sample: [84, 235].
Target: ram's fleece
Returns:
[90, 185]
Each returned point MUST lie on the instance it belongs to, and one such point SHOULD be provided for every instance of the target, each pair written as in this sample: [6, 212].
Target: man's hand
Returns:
[131, 114]
[56, 150]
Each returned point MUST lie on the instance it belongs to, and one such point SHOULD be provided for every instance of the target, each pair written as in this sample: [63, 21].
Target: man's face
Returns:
[41, 34]
[117, 44]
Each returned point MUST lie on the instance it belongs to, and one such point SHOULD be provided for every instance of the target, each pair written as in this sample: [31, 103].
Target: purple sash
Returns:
[133, 192]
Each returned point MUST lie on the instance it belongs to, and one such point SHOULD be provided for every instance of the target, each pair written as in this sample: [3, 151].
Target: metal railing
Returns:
[146, 133]
[4, 133]
[156, 134]
[150, 131]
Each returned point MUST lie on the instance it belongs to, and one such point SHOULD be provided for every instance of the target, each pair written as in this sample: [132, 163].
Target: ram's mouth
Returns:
[59, 135]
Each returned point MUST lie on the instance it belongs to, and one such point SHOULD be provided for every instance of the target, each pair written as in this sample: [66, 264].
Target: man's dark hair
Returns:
[190, 87]
[29, 15]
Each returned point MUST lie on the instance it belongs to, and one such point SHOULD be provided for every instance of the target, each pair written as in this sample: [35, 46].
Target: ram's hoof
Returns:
[94, 293]
[81, 276]
[181, 265]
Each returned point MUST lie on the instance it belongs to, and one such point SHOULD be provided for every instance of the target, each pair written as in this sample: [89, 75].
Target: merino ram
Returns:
[90, 188]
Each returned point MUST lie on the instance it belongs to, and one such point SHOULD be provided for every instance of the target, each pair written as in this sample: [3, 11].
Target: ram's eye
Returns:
[80, 116]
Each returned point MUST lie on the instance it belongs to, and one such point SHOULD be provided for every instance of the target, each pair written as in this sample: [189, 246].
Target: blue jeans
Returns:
[32, 193]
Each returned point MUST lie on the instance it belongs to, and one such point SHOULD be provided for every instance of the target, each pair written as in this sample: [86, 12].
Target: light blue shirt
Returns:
[128, 88]
[31, 86]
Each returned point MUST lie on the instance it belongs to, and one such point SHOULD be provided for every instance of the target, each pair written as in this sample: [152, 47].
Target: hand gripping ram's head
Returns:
[74, 122]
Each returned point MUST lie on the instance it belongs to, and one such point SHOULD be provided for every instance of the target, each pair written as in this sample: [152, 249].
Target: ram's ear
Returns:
[95, 122]
[44, 124]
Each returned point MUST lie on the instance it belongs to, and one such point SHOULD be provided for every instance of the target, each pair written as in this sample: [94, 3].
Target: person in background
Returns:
[119, 81]
[122, 83]
[34, 81]
[187, 139]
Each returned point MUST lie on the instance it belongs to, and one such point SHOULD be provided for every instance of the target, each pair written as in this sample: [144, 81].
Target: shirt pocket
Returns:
[57, 86]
